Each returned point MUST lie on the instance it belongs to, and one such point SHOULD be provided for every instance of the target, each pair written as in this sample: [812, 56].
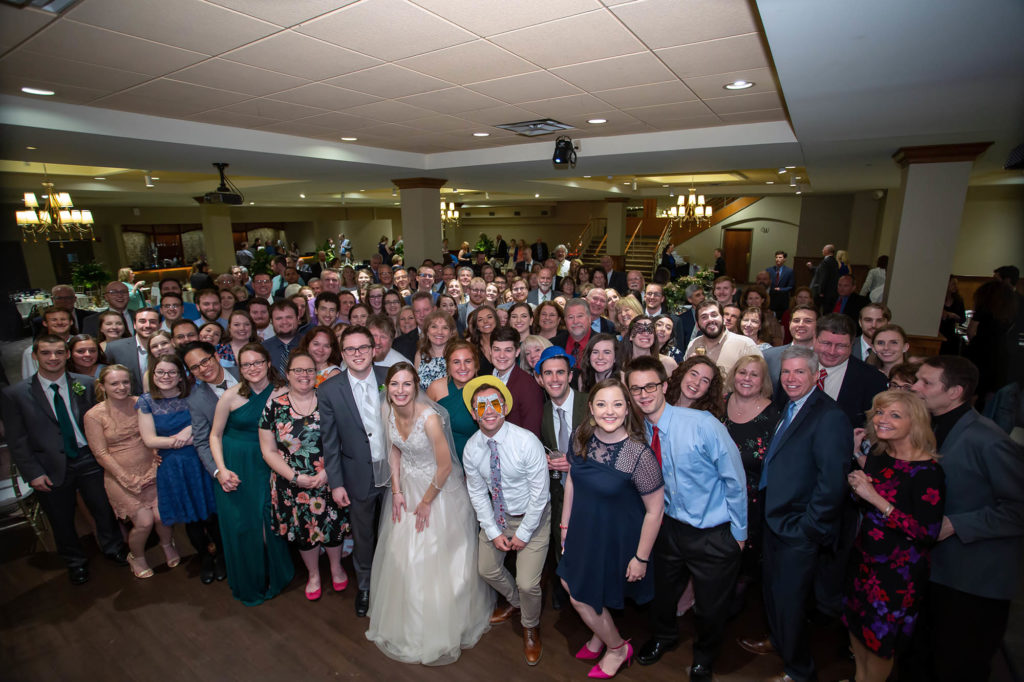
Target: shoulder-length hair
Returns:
[423, 345]
[766, 380]
[307, 338]
[588, 377]
[712, 401]
[101, 394]
[527, 344]
[633, 424]
[244, 389]
[100, 336]
[540, 308]
[101, 358]
[626, 344]
[184, 378]
[252, 325]
[472, 333]
[921, 435]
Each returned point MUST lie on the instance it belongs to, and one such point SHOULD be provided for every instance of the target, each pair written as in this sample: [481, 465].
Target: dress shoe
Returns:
[701, 673]
[120, 557]
[531, 645]
[220, 569]
[339, 585]
[652, 651]
[598, 674]
[780, 678]
[206, 568]
[362, 602]
[757, 646]
[314, 595]
[78, 575]
[585, 654]
[503, 612]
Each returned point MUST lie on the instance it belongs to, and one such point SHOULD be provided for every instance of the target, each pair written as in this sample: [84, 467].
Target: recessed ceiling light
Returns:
[790, 167]
[536, 196]
[398, 203]
[302, 196]
[481, 134]
[799, 192]
[797, 177]
[349, 139]
[99, 178]
[738, 85]
[597, 120]
[626, 182]
[38, 91]
[362, 190]
[664, 185]
[155, 177]
[252, 203]
[782, 171]
[31, 149]
[586, 176]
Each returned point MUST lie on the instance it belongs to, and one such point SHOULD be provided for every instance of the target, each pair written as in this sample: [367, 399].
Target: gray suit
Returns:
[126, 352]
[202, 403]
[37, 449]
[346, 448]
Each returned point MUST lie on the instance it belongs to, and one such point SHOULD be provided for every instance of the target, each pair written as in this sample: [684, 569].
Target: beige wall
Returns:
[563, 223]
[991, 231]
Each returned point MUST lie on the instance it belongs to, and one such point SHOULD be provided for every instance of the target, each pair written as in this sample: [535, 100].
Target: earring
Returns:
[593, 422]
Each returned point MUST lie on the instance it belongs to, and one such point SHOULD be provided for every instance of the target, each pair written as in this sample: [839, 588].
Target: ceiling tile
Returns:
[107, 48]
[360, 27]
[269, 108]
[164, 97]
[755, 116]
[283, 13]
[573, 105]
[220, 73]
[69, 94]
[452, 100]
[230, 118]
[302, 56]
[27, 68]
[716, 56]
[647, 95]
[340, 123]
[662, 113]
[442, 123]
[469, 63]
[741, 103]
[188, 24]
[297, 128]
[708, 87]
[526, 87]
[581, 38]
[616, 72]
[325, 97]
[389, 111]
[488, 17]
[389, 81]
[666, 23]
[493, 116]
[18, 24]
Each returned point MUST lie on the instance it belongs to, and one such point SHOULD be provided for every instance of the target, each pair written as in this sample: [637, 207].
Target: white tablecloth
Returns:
[25, 305]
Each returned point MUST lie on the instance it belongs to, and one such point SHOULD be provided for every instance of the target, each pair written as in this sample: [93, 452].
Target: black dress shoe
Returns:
[206, 568]
[220, 569]
[362, 602]
[558, 597]
[700, 673]
[652, 651]
[120, 557]
[78, 575]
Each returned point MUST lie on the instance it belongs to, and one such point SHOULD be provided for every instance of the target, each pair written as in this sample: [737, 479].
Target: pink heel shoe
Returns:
[585, 654]
[598, 674]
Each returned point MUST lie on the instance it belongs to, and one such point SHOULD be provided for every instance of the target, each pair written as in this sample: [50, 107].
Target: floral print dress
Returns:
[307, 517]
[892, 554]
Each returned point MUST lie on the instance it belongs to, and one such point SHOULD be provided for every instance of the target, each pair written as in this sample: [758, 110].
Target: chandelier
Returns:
[56, 219]
[690, 210]
[449, 216]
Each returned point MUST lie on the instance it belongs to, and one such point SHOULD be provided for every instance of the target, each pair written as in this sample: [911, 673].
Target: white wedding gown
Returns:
[427, 600]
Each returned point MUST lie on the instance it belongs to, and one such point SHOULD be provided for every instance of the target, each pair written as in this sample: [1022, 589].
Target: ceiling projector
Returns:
[226, 192]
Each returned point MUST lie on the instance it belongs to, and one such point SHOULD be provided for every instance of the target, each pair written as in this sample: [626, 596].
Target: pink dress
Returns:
[129, 466]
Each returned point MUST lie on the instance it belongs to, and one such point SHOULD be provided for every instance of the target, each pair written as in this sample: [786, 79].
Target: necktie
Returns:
[67, 429]
[821, 378]
[778, 276]
[563, 431]
[497, 497]
[790, 411]
[656, 445]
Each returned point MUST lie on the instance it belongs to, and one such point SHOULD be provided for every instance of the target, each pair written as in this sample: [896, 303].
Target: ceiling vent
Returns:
[52, 6]
[543, 126]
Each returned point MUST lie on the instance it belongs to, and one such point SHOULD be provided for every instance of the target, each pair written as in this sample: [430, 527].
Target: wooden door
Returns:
[736, 244]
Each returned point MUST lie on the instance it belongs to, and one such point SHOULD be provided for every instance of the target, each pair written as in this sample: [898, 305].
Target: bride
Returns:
[427, 600]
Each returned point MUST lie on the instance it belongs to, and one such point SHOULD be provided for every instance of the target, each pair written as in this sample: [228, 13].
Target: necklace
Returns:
[295, 409]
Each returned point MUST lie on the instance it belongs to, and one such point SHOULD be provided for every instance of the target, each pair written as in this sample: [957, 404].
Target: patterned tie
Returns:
[790, 412]
[656, 444]
[497, 497]
[821, 379]
[67, 429]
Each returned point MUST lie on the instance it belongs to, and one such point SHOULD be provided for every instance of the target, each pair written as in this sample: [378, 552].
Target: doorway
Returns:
[66, 255]
[736, 245]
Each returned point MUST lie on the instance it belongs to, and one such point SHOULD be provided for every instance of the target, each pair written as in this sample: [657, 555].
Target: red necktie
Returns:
[838, 308]
[778, 276]
[821, 379]
[656, 445]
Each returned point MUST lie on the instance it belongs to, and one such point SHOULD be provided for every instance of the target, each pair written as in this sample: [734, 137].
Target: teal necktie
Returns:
[67, 429]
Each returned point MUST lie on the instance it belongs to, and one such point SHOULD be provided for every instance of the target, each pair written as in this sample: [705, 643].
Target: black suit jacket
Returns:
[539, 251]
[860, 386]
[824, 282]
[854, 303]
[346, 446]
[807, 472]
[501, 250]
[406, 343]
[548, 432]
[617, 281]
[684, 325]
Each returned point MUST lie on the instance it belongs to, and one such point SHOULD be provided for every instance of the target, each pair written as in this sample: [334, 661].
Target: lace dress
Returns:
[129, 466]
[604, 527]
[427, 599]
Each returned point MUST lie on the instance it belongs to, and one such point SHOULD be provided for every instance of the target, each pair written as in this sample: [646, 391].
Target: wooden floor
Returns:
[171, 627]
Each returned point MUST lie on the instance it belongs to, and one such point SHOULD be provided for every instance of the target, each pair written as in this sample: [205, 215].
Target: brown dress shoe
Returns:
[531, 645]
[757, 646]
[503, 612]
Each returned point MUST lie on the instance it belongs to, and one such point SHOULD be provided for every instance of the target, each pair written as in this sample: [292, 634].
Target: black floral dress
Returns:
[306, 517]
[892, 554]
[752, 439]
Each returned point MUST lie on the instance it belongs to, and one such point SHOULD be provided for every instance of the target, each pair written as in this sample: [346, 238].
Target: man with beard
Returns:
[722, 346]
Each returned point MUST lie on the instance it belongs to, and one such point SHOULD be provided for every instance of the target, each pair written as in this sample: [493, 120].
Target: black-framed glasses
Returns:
[299, 371]
[252, 365]
[202, 364]
[646, 388]
[357, 350]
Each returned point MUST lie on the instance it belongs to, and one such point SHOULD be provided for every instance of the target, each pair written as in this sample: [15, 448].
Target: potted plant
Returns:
[90, 277]
[484, 245]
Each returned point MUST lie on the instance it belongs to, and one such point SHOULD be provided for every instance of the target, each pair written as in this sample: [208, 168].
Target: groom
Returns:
[507, 478]
[353, 438]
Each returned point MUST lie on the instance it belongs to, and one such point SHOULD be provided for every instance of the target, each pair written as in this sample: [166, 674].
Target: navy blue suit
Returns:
[783, 281]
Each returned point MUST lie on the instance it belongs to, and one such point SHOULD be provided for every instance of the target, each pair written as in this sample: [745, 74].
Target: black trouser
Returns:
[85, 476]
[790, 566]
[364, 517]
[711, 556]
[204, 533]
[834, 564]
[957, 636]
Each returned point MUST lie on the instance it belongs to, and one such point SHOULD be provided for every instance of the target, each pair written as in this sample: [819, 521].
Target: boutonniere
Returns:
[77, 388]
[380, 389]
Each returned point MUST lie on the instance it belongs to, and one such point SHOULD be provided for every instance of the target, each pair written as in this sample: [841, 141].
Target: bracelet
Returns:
[564, 527]
[295, 477]
[888, 510]
[396, 492]
[435, 486]
[643, 561]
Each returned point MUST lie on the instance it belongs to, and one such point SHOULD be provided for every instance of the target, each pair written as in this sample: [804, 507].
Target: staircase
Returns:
[641, 255]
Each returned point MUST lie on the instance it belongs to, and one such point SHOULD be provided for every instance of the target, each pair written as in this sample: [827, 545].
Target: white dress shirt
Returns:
[228, 381]
[367, 397]
[524, 479]
[834, 380]
[143, 355]
[392, 358]
[65, 395]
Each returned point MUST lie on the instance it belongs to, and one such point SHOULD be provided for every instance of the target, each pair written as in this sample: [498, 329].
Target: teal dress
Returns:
[463, 424]
[259, 565]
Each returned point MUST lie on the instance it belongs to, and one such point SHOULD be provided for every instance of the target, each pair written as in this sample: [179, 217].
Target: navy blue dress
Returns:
[604, 525]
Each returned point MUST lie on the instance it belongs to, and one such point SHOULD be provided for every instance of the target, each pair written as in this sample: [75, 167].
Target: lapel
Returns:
[579, 408]
[802, 415]
[346, 396]
[951, 443]
[37, 391]
[78, 409]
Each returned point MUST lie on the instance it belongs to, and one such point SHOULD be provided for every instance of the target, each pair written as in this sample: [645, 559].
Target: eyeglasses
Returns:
[493, 403]
[357, 350]
[202, 364]
[308, 371]
[170, 306]
[901, 386]
[168, 373]
[116, 292]
[648, 389]
[252, 365]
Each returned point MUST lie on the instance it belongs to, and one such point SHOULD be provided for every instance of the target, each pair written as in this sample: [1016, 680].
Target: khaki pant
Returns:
[524, 590]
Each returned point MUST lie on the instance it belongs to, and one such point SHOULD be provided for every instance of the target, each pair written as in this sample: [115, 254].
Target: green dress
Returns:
[463, 424]
[259, 565]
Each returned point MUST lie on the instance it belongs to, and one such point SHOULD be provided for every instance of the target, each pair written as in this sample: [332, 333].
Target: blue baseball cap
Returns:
[553, 352]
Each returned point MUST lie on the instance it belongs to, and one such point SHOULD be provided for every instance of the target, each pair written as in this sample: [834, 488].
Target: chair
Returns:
[19, 506]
